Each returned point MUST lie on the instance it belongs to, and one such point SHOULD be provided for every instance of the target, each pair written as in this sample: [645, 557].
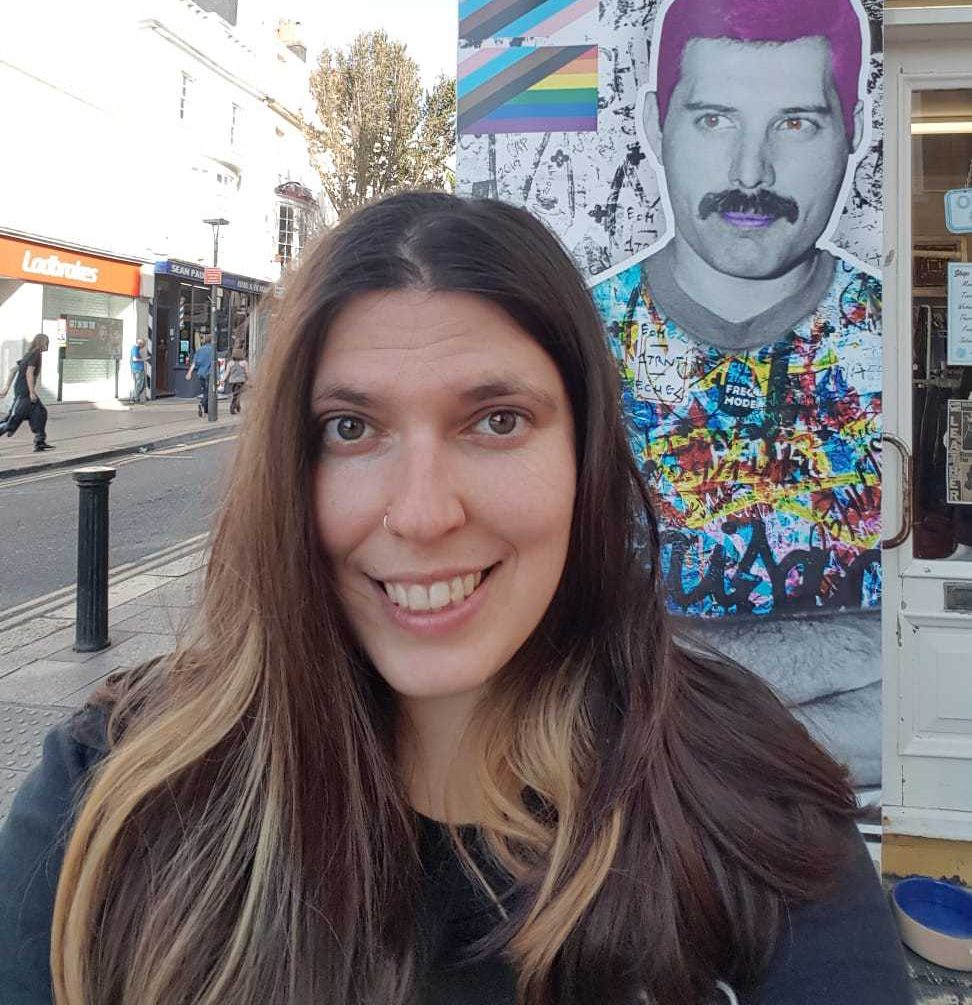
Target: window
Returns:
[185, 97]
[285, 233]
[235, 117]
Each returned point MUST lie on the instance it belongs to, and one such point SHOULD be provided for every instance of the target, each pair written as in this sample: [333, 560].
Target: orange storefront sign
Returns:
[43, 263]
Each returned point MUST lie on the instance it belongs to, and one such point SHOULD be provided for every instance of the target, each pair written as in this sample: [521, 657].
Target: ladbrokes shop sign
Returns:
[41, 263]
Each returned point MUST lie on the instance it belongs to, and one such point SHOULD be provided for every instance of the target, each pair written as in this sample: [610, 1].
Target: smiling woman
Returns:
[433, 742]
[455, 469]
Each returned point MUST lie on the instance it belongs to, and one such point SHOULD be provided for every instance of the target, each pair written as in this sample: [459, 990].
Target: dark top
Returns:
[21, 389]
[844, 951]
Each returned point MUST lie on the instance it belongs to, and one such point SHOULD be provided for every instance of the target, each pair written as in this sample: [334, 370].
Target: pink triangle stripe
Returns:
[562, 18]
[480, 57]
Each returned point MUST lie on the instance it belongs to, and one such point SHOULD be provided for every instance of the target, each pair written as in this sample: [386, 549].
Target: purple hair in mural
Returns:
[836, 21]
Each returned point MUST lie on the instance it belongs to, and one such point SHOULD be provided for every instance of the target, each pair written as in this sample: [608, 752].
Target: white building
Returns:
[126, 124]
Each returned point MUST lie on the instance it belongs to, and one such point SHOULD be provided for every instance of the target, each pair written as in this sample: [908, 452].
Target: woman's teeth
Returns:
[435, 596]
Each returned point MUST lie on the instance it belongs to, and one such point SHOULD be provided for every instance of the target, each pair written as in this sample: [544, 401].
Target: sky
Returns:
[428, 27]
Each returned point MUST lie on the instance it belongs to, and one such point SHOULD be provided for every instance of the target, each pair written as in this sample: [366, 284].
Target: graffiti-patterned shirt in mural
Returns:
[764, 460]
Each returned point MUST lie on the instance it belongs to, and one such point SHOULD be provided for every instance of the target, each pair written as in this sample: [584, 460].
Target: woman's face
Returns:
[439, 411]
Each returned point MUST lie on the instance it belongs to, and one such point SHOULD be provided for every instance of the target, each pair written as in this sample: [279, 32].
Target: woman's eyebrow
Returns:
[507, 387]
[344, 393]
[491, 387]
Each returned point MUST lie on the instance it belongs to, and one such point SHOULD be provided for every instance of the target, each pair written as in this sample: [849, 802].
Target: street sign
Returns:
[213, 277]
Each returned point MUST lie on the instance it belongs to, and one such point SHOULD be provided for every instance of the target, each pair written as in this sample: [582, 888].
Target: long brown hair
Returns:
[248, 839]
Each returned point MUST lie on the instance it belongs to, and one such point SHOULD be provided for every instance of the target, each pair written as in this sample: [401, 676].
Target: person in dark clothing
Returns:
[27, 404]
[434, 742]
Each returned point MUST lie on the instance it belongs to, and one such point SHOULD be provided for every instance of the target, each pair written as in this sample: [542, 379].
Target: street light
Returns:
[215, 222]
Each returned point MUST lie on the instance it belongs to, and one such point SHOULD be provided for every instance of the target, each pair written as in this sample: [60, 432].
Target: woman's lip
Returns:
[430, 624]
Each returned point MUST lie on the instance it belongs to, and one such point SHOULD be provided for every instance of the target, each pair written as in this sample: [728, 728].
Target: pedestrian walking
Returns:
[27, 404]
[237, 375]
[433, 739]
[139, 356]
[202, 364]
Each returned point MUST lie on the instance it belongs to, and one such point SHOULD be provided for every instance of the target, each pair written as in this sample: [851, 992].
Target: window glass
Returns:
[941, 140]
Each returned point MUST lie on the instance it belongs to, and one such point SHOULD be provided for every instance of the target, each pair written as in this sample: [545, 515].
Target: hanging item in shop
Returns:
[958, 207]
[667, 145]
[959, 443]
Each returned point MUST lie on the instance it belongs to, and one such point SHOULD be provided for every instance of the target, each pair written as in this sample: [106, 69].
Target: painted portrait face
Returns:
[439, 411]
[755, 151]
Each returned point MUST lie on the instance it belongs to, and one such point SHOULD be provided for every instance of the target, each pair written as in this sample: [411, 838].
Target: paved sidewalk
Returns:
[42, 679]
[86, 431]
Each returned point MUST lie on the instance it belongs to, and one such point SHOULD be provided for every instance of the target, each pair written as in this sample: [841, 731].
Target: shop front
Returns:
[928, 477]
[182, 314]
[87, 304]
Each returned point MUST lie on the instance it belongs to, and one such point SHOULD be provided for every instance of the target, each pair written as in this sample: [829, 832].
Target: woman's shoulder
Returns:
[79, 743]
[34, 835]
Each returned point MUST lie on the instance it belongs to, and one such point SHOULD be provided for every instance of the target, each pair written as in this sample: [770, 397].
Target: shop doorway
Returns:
[928, 404]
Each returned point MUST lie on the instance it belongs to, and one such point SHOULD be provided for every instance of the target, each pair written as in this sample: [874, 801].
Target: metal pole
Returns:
[214, 372]
[91, 625]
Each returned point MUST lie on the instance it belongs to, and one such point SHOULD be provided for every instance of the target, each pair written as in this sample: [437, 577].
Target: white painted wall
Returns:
[96, 153]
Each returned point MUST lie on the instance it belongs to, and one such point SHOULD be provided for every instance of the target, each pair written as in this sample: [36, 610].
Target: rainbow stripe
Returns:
[482, 19]
[528, 90]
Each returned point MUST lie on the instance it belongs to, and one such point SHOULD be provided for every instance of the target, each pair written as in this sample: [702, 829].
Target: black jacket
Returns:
[844, 951]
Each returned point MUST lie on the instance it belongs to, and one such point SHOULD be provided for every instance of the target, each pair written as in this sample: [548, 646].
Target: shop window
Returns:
[941, 362]
[286, 233]
[185, 96]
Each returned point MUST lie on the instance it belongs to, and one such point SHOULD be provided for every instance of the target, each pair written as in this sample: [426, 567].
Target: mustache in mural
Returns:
[763, 203]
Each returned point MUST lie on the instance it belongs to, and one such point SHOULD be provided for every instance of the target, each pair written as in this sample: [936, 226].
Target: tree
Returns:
[377, 129]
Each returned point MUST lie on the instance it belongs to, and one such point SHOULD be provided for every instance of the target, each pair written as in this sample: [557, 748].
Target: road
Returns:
[157, 500]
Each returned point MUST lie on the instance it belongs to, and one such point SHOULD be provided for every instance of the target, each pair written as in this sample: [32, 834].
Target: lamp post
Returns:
[215, 222]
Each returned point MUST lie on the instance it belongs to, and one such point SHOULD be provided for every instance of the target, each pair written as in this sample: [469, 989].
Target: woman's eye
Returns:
[345, 429]
[500, 423]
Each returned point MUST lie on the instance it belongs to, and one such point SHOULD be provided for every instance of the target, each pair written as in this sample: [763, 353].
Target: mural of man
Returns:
[751, 347]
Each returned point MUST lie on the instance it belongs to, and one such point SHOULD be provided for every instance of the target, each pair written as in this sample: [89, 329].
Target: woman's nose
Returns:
[425, 498]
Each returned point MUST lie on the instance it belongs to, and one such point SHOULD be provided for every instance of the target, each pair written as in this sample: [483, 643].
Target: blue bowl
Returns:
[935, 919]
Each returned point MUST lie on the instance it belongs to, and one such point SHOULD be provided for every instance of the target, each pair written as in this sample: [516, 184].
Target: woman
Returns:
[433, 742]
[237, 374]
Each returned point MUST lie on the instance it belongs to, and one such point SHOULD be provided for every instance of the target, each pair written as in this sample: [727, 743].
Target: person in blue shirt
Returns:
[137, 359]
[202, 363]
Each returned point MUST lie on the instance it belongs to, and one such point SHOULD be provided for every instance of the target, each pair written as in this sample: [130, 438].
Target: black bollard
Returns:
[91, 626]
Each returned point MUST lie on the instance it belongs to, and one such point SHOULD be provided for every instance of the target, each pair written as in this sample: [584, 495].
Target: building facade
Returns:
[132, 124]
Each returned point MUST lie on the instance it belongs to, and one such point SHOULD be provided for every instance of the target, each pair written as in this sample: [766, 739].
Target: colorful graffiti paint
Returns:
[528, 90]
[765, 462]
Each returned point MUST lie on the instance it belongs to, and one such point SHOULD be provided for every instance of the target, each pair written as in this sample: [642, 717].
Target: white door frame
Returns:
[925, 48]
